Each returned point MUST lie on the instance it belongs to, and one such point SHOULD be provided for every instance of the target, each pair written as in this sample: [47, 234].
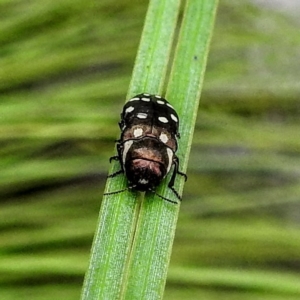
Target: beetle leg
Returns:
[176, 193]
[115, 157]
[164, 198]
[182, 174]
[176, 164]
[118, 158]
[175, 172]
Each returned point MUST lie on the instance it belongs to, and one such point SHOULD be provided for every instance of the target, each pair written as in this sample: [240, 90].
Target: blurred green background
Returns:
[65, 66]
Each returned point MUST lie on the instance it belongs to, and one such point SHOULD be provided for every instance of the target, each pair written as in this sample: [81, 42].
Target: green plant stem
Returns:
[157, 219]
[133, 242]
[106, 276]
[155, 47]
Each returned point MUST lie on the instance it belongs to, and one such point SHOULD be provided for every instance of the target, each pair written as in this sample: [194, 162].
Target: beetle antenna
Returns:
[116, 192]
[164, 198]
[176, 193]
[120, 191]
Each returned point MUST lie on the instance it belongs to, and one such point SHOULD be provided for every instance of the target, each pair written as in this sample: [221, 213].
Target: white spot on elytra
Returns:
[126, 148]
[157, 96]
[170, 156]
[174, 118]
[145, 99]
[134, 99]
[160, 102]
[141, 115]
[163, 119]
[168, 104]
[163, 137]
[147, 95]
[129, 109]
[138, 132]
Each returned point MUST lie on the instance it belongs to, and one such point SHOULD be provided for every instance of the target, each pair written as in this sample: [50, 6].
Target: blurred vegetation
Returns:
[65, 70]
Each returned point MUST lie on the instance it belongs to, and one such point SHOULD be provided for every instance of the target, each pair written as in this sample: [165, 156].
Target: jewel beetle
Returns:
[148, 143]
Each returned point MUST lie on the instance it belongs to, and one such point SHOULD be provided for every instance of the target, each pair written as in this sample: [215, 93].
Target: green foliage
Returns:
[63, 83]
[133, 242]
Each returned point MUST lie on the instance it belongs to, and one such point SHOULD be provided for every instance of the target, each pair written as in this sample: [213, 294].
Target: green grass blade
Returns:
[188, 70]
[155, 47]
[157, 219]
[106, 275]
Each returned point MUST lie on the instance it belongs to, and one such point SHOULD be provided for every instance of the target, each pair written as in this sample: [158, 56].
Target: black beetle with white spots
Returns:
[148, 143]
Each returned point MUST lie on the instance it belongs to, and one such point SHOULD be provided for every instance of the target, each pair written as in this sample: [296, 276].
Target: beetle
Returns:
[148, 143]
